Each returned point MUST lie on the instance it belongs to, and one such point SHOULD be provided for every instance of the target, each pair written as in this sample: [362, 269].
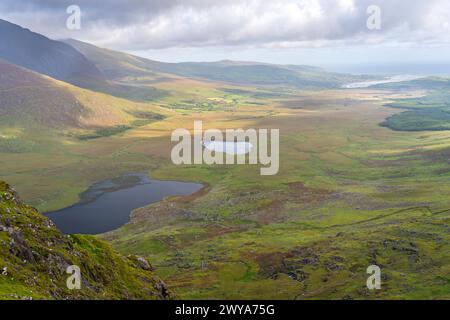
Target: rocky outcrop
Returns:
[35, 259]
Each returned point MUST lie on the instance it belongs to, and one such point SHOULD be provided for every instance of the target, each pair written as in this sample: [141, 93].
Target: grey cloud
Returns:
[141, 25]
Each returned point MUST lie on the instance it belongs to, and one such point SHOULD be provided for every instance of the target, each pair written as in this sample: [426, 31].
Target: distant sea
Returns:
[391, 79]
[420, 69]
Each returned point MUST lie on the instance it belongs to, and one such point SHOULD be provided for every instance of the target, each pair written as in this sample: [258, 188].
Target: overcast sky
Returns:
[331, 33]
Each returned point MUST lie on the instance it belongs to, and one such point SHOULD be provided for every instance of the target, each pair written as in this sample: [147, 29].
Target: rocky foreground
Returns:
[35, 257]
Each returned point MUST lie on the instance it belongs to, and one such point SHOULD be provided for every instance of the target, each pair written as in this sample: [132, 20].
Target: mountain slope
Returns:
[118, 65]
[61, 61]
[38, 53]
[29, 99]
[34, 257]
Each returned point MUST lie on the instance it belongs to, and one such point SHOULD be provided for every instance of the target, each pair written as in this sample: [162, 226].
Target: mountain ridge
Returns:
[63, 62]
[118, 65]
[36, 52]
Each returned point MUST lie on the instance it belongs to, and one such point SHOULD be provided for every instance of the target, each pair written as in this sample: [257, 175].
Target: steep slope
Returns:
[30, 100]
[53, 58]
[61, 61]
[118, 65]
[34, 257]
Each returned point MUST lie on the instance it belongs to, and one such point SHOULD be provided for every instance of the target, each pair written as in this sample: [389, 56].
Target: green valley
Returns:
[363, 181]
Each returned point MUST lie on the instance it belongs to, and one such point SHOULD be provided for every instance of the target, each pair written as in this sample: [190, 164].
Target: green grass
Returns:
[420, 120]
[367, 199]
[143, 118]
[431, 113]
[106, 132]
[349, 193]
[147, 115]
[34, 256]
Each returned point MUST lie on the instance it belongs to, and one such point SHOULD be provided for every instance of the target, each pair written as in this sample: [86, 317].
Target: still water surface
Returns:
[107, 205]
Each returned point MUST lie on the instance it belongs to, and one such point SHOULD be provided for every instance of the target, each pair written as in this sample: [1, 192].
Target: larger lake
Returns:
[107, 205]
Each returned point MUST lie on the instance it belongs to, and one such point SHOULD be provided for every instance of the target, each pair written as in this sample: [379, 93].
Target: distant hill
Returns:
[61, 61]
[34, 257]
[108, 71]
[429, 83]
[117, 65]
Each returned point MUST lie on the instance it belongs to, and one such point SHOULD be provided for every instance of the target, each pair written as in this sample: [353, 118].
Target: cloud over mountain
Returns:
[155, 24]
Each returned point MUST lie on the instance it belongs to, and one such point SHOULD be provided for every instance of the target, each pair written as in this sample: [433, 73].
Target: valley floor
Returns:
[349, 194]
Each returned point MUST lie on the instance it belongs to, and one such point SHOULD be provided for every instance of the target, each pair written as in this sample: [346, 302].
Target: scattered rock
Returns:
[144, 264]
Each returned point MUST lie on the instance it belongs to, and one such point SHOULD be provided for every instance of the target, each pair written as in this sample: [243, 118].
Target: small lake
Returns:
[107, 205]
[232, 148]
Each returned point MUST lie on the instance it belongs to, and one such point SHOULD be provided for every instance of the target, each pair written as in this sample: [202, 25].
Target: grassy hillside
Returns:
[349, 194]
[120, 65]
[115, 65]
[61, 61]
[34, 257]
[430, 83]
[29, 100]
[28, 97]
[38, 53]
